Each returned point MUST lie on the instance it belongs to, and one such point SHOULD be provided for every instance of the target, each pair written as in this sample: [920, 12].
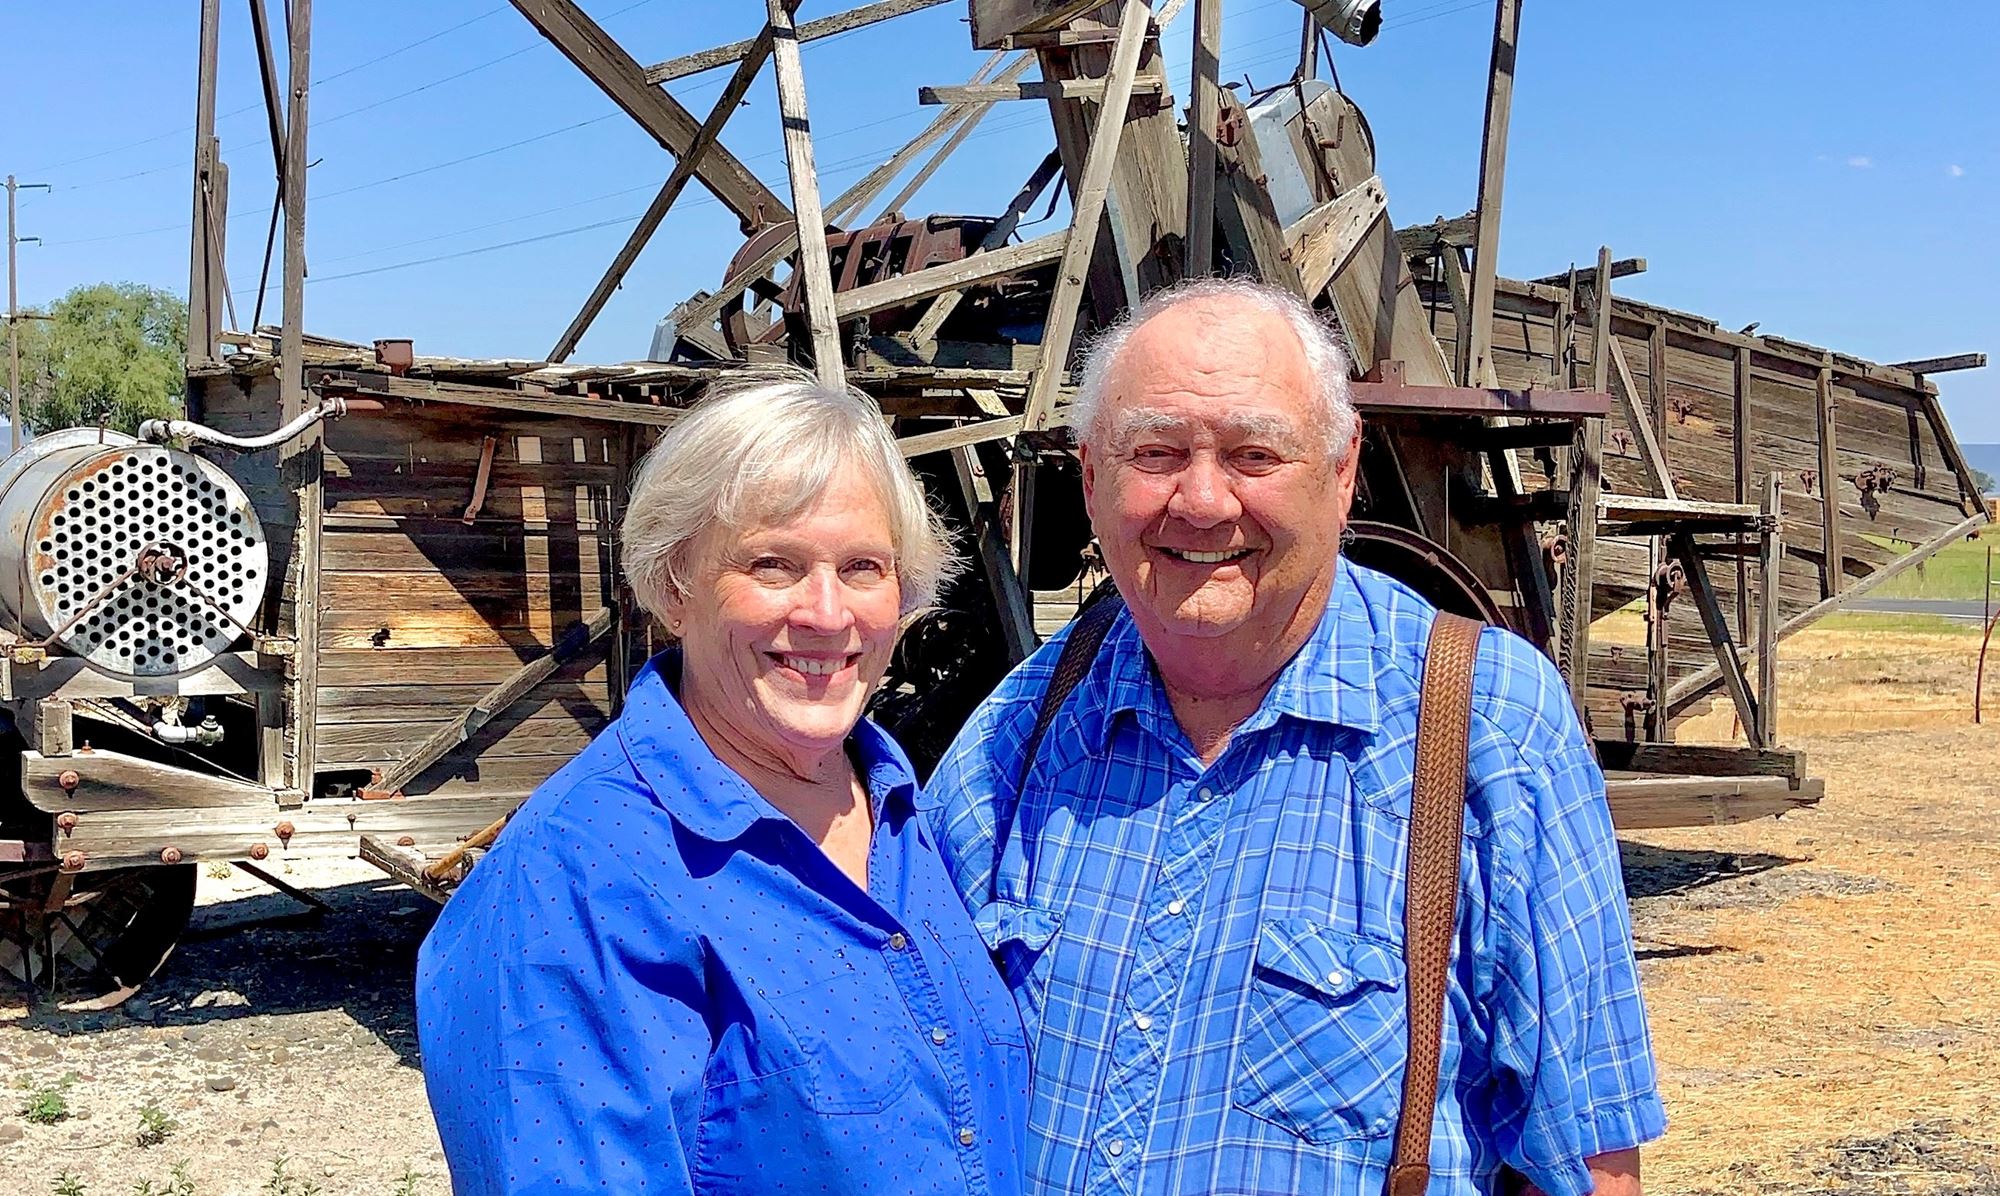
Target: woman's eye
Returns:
[869, 567]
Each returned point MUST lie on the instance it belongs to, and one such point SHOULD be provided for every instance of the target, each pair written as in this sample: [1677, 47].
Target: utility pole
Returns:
[14, 312]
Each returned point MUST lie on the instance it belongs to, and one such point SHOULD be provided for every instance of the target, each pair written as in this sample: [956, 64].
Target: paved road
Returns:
[1951, 608]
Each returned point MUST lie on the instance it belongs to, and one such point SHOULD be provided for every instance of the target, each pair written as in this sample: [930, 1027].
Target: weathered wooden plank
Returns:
[1941, 365]
[810, 221]
[1322, 240]
[1057, 89]
[950, 276]
[1202, 125]
[604, 62]
[840, 22]
[1650, 803]
[1478, 368]
[1255, 240]
[1087, 208]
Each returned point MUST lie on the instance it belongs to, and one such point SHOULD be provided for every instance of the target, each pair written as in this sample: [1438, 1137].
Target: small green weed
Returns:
[154, 1124]
[49, 1104]
[177, 1184]
[218, 870]
[407, 1185]
[67, 1184]
[281, 1184]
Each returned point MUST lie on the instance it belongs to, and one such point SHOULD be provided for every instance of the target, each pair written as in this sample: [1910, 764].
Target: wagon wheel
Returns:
[107, 934]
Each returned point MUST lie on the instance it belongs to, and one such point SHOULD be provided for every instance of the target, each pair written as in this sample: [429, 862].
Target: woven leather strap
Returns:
[1430, 900]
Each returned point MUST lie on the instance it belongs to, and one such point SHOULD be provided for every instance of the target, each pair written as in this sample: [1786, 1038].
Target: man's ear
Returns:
[1089, 470]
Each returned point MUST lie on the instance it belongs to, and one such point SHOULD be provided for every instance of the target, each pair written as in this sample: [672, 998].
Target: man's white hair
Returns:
[760, 449]
[1325, 358]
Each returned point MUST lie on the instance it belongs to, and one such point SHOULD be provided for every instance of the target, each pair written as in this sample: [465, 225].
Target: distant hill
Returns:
[1983, 457]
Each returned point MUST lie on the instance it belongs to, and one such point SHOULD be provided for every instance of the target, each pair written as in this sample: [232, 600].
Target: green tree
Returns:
[1983, 480]
[109, 351]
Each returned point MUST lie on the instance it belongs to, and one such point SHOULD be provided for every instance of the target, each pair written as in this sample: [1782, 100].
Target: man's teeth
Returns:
[1208, 558]
[813, 666]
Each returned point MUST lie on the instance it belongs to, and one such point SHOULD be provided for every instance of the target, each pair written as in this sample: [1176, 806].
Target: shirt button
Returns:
[1115, 1147]
[938, 1035]
[897, 942]
[966, 1137]
[1206, 794]
[1337, 978]
[1144, 1021]
[1176, 907]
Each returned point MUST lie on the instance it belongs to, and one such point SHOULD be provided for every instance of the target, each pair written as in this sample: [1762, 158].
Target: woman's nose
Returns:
[822, 602]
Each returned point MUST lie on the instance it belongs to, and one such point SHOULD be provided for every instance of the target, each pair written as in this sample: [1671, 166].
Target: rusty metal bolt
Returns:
[259, 851]
[69, 780]
[284, 831]
[406, 841]
[66, 822]
[170, 855]
[73, 861]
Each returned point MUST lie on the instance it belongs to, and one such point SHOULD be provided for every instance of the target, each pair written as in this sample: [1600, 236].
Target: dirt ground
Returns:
[1824, 989]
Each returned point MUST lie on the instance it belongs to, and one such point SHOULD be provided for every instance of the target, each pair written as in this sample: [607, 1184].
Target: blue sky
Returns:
[1828, 169]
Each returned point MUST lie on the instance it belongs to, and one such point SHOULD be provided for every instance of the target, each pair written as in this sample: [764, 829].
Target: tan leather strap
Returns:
[1430, 900]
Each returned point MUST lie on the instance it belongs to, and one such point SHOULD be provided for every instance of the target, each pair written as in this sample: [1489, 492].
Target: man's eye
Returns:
[770, 564]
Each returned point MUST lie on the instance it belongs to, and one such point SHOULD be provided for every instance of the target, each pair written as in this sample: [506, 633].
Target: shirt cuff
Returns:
[1609, 1127]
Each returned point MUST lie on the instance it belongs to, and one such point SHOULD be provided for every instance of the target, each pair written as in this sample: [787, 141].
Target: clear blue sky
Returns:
[1829, 169]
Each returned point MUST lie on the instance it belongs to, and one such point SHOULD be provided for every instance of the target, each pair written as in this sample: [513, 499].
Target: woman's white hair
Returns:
[1325, 357]
[759, 449]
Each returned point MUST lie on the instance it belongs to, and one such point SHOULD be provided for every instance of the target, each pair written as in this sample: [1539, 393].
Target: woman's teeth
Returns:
[813, 666]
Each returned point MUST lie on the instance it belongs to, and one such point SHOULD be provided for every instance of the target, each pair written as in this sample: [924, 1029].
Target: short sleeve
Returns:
[558, 1013]
[1572, 1052]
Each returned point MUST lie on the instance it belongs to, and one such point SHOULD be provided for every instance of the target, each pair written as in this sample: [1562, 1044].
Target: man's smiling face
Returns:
[1211, 484]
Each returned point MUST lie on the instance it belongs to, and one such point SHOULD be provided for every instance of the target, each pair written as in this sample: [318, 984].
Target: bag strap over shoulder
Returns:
[1079, 652]
[1430, 903]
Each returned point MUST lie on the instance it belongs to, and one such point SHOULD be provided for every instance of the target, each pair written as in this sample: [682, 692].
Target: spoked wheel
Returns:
[88, 940]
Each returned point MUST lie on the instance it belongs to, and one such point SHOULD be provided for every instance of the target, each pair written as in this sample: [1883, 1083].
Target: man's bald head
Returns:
[1193, 325]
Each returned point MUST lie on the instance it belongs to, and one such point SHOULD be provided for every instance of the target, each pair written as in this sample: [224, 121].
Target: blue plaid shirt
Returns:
[1209, 960]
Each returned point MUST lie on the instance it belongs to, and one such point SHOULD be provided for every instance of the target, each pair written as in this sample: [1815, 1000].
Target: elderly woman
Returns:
[718, 951]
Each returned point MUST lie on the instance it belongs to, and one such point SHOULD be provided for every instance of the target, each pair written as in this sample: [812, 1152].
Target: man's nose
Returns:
[1205, 495]
[822, 603]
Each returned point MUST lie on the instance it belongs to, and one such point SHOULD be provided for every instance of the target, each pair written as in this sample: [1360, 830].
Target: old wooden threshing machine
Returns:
[367, 600]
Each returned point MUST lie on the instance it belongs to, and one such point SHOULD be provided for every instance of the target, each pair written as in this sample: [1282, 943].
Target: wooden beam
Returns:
[1058, 89]
[1249, 220]
[1728, 664]
[1418, 240]
[1573, 629]
[1770, 559]
[1656, 387]
[1832, 553]
[1624, 267]
[1948, 447]
[1600, 322]
[1659, 645]
[996, 20]
[498, 399]
[978, 432]
[840, 22]
[974, 115]
[1942, 365]
[1744, 447]
[701, 313]
[440, 742]
[1202, 123]
[1691, 689]
[1639, 418]
[950, 276]
[1012, 604]
[1088, 208]
[1478, 368]
[604, 62]
[304, 458]
[1321, 241]
[814, 261]
[1709, 760]
[926, 328]
[725, 106]
[1654, 803]
[204, 303]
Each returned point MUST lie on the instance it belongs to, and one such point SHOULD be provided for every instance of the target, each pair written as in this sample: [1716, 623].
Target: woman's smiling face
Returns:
[787, 627]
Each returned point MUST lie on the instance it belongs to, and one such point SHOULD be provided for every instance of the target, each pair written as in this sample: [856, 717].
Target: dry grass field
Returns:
[1825, 988]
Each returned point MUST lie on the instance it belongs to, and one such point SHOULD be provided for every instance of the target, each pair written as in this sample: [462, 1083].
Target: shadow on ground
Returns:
[265, 954]
[1664, 872]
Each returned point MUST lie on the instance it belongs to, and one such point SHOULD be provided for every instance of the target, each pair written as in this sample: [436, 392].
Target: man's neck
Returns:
[1214, 685]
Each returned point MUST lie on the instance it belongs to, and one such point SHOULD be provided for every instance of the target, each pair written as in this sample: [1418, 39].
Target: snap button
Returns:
[1176, 907]
[1336, 977]
[938, 1035]
[1115, 1147]
[897, 941]
[1144, 1021]
[966, 1137]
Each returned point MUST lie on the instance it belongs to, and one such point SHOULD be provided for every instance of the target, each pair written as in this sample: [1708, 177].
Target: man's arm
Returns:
[1612, 1174]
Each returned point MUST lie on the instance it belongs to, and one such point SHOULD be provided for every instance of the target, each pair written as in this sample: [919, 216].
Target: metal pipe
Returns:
[207, 734]
[162, 431]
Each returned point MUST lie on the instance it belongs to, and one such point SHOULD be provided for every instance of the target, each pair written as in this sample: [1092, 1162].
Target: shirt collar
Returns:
[704, 794]
[1330, 679]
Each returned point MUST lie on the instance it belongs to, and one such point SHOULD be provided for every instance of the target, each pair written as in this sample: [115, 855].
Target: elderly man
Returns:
[1194, 887]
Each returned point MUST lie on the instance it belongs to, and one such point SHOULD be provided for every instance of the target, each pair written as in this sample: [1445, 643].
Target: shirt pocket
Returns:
[965, 956]
[853, 1030]
[1326, 1038]
[1021, 939]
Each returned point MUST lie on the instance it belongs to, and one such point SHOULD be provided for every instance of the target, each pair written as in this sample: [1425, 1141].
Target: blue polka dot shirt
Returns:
[656, 982]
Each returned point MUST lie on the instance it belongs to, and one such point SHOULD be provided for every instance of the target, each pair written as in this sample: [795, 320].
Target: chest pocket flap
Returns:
[1326, 1040]
[1003, 922]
